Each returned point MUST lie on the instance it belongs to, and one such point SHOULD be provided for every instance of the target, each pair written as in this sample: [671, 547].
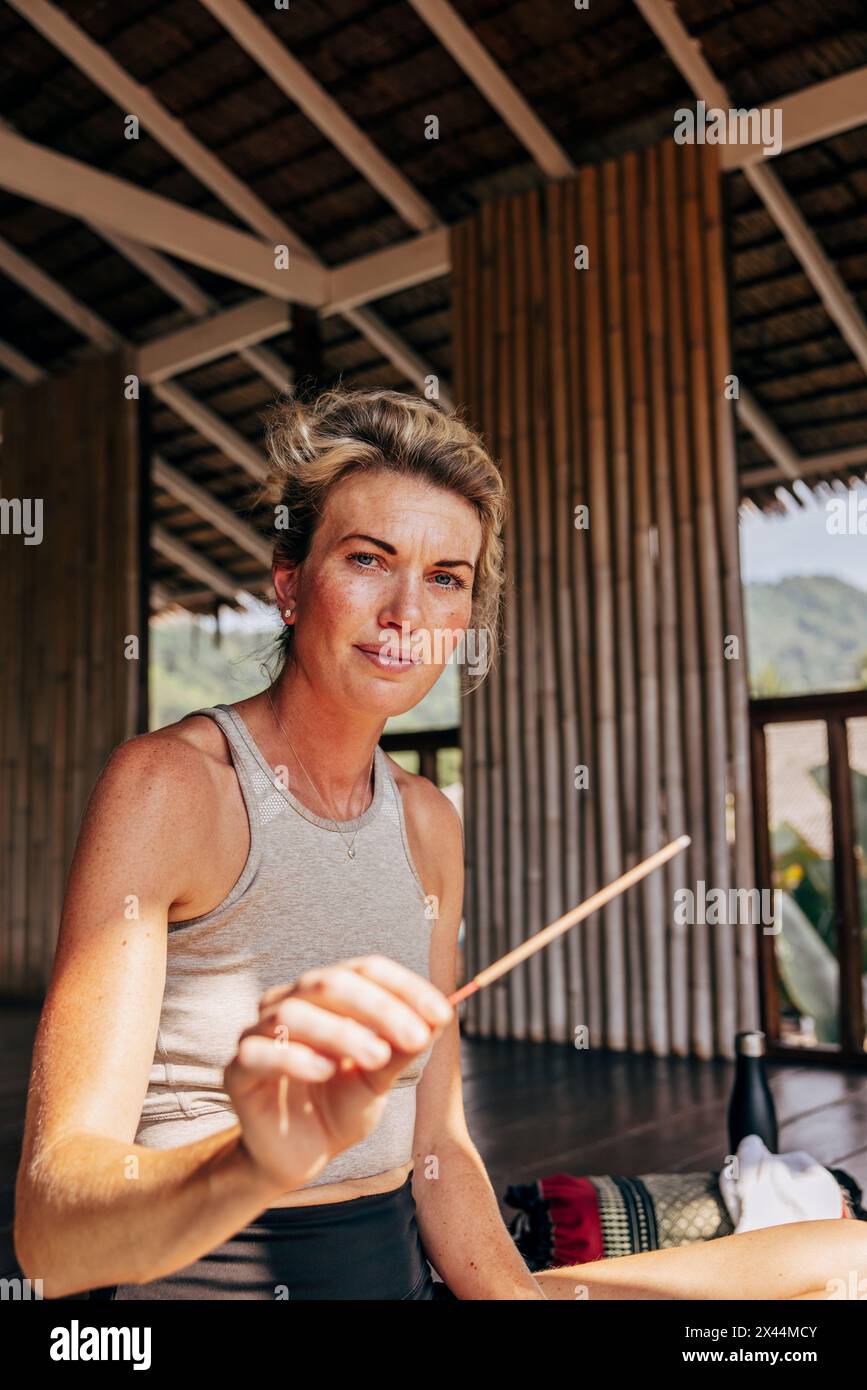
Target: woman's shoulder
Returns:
[184, 752]
[433, 822]
[422, 797]
[153, 802]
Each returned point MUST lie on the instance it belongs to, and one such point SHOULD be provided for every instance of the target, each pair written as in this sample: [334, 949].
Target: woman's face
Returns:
[386, 591]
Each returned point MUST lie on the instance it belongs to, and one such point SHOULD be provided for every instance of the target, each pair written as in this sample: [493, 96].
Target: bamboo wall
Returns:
[68, 694]
[605, 386]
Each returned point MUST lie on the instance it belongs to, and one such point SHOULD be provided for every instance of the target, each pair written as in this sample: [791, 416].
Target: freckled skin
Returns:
[345, 602]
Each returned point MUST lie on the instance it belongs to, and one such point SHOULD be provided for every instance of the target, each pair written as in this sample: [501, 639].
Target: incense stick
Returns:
[534, 943]
[576, 914]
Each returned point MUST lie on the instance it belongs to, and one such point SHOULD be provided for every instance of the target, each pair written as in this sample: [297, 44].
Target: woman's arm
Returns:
[458, 1216]
[92, 1207]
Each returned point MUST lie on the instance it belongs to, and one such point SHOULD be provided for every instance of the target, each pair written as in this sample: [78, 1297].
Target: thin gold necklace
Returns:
[350, 850]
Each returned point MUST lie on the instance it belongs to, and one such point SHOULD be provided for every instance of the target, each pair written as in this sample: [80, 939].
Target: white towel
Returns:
[774, 1189]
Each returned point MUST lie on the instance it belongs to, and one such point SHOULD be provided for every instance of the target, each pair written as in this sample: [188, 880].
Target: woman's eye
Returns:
[360, 558]
[362, 555]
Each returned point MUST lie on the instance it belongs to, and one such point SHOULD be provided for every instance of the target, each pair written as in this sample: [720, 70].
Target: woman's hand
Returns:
[370, 1010]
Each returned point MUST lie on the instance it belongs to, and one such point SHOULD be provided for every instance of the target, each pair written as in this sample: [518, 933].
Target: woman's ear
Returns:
[285, 585]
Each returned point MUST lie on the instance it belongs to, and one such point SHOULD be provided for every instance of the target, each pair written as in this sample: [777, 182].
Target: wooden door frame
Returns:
[833, 710]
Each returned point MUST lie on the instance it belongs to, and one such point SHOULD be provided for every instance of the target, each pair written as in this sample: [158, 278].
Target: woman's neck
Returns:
[335, 748]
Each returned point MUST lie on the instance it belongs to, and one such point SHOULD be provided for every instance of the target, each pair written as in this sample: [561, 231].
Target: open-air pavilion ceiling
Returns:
[306, 126]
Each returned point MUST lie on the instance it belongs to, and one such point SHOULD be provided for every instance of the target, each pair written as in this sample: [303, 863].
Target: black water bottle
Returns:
[751, 1107]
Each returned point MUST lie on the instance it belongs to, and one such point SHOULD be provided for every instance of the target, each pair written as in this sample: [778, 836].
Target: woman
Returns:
[259, 896]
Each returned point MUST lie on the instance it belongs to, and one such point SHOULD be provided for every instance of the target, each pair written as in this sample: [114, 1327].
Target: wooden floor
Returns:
[535, 1109]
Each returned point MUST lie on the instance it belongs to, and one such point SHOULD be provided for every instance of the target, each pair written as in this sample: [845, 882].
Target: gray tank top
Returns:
[300, 903]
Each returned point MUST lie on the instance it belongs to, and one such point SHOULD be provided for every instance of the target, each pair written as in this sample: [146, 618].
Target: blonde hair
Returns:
[312, 445]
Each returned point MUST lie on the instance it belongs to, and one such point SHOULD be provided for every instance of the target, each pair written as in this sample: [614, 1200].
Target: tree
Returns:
[767, 681]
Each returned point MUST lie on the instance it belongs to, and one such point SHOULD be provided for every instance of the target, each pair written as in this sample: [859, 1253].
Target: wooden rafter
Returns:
[492, 82]
[102, 69]
[305, 92]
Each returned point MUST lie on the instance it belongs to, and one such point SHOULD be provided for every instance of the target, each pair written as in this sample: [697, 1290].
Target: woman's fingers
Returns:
[418, 992]
[393, 1002]
[329, 1032]
[259, 1055]
[339, 991]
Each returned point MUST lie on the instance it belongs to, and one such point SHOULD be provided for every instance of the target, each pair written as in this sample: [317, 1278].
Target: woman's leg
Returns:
[801, 1260]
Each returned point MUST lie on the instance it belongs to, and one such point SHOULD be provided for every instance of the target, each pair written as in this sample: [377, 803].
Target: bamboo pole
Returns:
[60, 852]
[528, 652]
[461, 336]
[588, 942]
[655, 982]
[42, 623]
[605, 766]
[727, 511]
[20, 705]
[710, 600]
[475, 701]
[508, 680]
[548, 705]
[489, 772]
[64, 697]
[701, 1006]
[558, 248]
[619, 500]
[65, 771]
[677, 963]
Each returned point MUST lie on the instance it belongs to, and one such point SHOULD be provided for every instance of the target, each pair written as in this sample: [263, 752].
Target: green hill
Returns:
[806, 633]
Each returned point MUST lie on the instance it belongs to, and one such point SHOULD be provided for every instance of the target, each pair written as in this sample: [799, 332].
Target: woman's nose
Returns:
[405, 604]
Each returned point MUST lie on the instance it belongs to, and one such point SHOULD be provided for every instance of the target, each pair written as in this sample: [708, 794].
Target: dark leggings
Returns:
[366, 1248]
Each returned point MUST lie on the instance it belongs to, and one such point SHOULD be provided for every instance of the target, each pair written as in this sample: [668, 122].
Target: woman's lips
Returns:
[377, 655]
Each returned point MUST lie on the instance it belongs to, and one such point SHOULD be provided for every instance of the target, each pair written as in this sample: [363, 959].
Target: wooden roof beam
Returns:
[305, 92]
[810, 466]
[212, 338]
[398, 267]
[211, 509]
[33, 171]
[207, 423]
[28, 275]
[97, 63]
[75, 188]
[686, 53]
[185, 292]
[178, 286]
[197, 566]
[763, 429]
[826, 280]
[255, 320]
[161, 596]
[492, 82]
[204, 420]
[393, 347]
[102, 69]
[19, 366]
[814, 113]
